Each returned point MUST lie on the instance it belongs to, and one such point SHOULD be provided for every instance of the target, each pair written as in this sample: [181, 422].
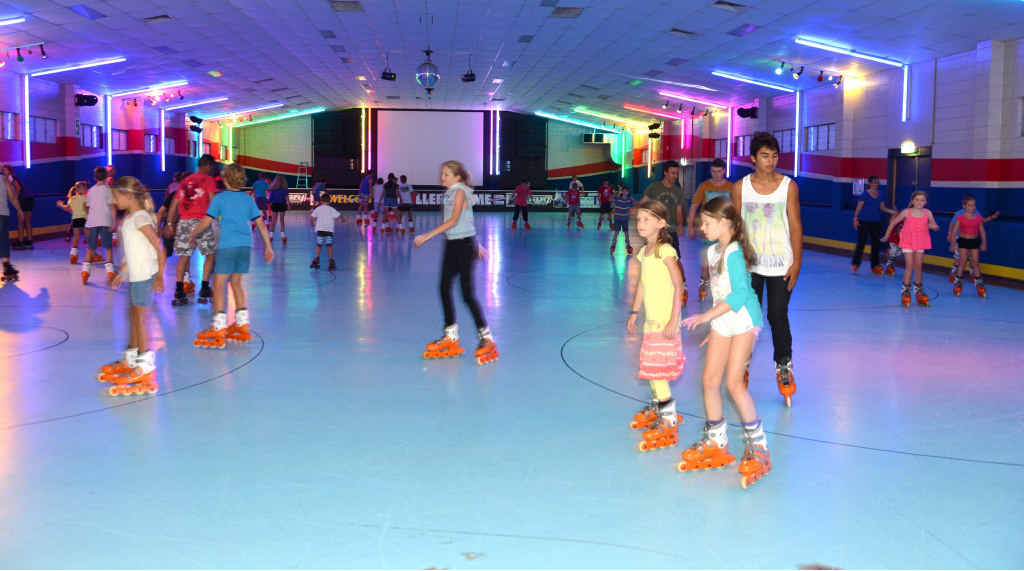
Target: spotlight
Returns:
[387, 74]
[654, 126]
[653, 135]
[747, 112]
[469, 76]
[664, 105]
[180, 95]
[781, 68]
[196, 120]
[42, 51]
[83, 100]
[196, 129]
[831, 77]
[797, 74]
[680, 108]
[20, 57]
[837, 82]
[821, 76]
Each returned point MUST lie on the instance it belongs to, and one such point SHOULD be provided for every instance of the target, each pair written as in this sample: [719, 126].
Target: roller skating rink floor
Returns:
[329, 442]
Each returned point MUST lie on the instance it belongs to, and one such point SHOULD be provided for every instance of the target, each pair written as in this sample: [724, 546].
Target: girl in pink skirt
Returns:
[914, 241]
[661, 354]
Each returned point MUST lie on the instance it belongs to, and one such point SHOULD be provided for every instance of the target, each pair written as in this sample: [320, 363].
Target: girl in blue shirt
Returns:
[735, 322]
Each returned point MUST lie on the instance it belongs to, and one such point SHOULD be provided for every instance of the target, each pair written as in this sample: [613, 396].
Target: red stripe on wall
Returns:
[267, 165]
[987, 170]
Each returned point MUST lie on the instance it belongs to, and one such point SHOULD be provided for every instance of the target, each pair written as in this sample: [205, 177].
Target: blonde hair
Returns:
[279, 182]
[78, 184]
[658, 209]
[234, 176]
[722, 208]
[139, 192]
[457, 169]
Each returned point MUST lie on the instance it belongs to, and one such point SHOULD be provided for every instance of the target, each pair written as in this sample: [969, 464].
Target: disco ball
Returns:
[427, 75]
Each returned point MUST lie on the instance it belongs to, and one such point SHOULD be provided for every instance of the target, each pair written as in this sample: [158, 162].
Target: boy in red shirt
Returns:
[572, 200]
[522, 202]
[191, 202]
[604, 196]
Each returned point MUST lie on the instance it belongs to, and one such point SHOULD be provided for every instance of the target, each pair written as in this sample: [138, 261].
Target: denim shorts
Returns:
[98, 235]
[324, 238]
[141, 293]
[232, 260]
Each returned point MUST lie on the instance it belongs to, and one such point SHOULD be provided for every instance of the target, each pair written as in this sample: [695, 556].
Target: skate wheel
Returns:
[744, 483]
[114, 391]
[642, 446]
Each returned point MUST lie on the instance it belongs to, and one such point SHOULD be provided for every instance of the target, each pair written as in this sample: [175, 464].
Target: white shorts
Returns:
[734, 323]
[909, 251]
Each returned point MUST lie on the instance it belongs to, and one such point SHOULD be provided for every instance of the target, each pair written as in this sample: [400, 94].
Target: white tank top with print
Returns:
[764, 216]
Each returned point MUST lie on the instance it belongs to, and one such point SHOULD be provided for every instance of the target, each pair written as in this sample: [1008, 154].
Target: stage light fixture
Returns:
[42, 51]
[387, 74]
[781, 68]
[837, 82]
[664, 105]
[20, 57]
[797, 74]
[821, 76]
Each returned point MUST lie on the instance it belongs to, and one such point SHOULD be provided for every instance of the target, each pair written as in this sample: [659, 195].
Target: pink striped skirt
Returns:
[661, 359]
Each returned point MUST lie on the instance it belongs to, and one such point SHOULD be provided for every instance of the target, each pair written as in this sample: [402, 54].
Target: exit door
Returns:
[908, 173]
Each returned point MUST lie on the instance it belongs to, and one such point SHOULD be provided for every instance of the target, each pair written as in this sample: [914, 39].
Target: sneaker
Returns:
[332, 265]
[514, 225]
[527, 226]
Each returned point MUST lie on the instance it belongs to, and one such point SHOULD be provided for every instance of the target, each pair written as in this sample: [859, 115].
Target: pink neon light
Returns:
[685, 97]
[655, 112]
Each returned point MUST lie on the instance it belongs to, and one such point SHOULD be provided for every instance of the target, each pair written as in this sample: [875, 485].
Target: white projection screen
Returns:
[415, 143]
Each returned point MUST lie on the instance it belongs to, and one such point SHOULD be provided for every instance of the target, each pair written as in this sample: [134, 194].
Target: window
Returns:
[785, 139]
[118, 140]
[43, 130]
[820, 137]
[8, 126]
[92, 137]
[741, 148]
[168, 146]
[206, 148]
[150, 143]
[721, 148]
[192, 147]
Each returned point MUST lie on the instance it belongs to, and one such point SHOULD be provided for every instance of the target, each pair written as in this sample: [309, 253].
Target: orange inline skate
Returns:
[787, 383]
[446, 347]
[710, 452]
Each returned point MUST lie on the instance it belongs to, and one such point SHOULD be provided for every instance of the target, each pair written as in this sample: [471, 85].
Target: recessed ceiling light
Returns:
[361, 77]
[497, 80]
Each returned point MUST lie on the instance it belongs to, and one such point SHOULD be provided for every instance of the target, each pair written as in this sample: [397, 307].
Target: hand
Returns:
[693, 321]
[158, 284]
[118, 280]
[884, 238]
[481, 253]
[631, 324]
[420, 240]
[268, 255]
[994, 215]
[691, 232]
[671, 329]
[21, 215]
[792, 274]
[856, 224]
[168, 231]
[984, 246]
[952, 247]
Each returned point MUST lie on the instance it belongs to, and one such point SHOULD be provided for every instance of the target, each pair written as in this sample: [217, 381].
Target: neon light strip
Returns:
[244, 111]
[796, 139]
[369, 136]
[650, 111]
[728, 147]
[845, 51]
[362, 139]
[109, 143]
[88, 64]
[490, 114]
[27, 133]
[157, 87]
[751, 81]
[622, 165]
[288, 115]
[231, 143]
[683, 97]
[579, 122]
[584, 110]
[906, 93]
[650, 156]
[497, 143]
[11, 21]
[196, 104]
[163, 143]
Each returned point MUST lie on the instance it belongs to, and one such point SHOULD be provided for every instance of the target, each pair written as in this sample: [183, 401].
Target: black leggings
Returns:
[524, 210]
[459, 257]
[778, 313]
[874, 229]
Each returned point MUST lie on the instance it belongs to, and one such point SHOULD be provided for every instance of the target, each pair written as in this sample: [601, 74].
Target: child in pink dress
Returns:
[914, 241]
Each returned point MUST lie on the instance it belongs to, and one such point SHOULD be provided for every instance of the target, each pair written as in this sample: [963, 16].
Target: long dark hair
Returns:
[721, 207]
[659, 211]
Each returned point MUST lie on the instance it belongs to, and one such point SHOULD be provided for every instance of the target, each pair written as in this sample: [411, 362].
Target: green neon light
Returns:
[289, 115]
[579, 122]
[635, 82]
[584, 110]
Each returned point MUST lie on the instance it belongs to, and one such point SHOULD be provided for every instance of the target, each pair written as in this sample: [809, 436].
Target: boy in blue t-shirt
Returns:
[235, 210]
[623, 206]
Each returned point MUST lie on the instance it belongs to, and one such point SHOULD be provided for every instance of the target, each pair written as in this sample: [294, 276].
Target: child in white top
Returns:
[322, 218]
[406, 200]
[143, 268]
[100, 217]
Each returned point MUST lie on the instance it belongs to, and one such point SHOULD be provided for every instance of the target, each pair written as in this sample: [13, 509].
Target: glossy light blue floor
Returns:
[329, 442]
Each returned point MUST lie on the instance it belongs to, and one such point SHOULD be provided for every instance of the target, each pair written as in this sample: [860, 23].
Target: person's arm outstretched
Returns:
[892, 224]
[460, 204]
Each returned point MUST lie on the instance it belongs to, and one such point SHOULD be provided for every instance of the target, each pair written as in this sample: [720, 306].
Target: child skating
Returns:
[235, 209]
[322, 218]
[970, 229]
[142, 266]
[914, 241]
[572, 202]
[604, 198]
[100, 217]
[708, 190]
[522, 204]
[460, 254]
[389, 207]
[623, 208]
[406, 199]
[363, 210]
[735, 319]
[76, 206]
[661, 352]
[952, 239]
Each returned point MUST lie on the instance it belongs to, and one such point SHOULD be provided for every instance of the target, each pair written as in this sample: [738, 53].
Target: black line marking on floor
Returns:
[782, 434]
[67, 336]
[145, 398]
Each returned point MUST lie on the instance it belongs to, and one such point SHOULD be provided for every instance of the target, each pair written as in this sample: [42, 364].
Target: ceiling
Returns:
[310, 52]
